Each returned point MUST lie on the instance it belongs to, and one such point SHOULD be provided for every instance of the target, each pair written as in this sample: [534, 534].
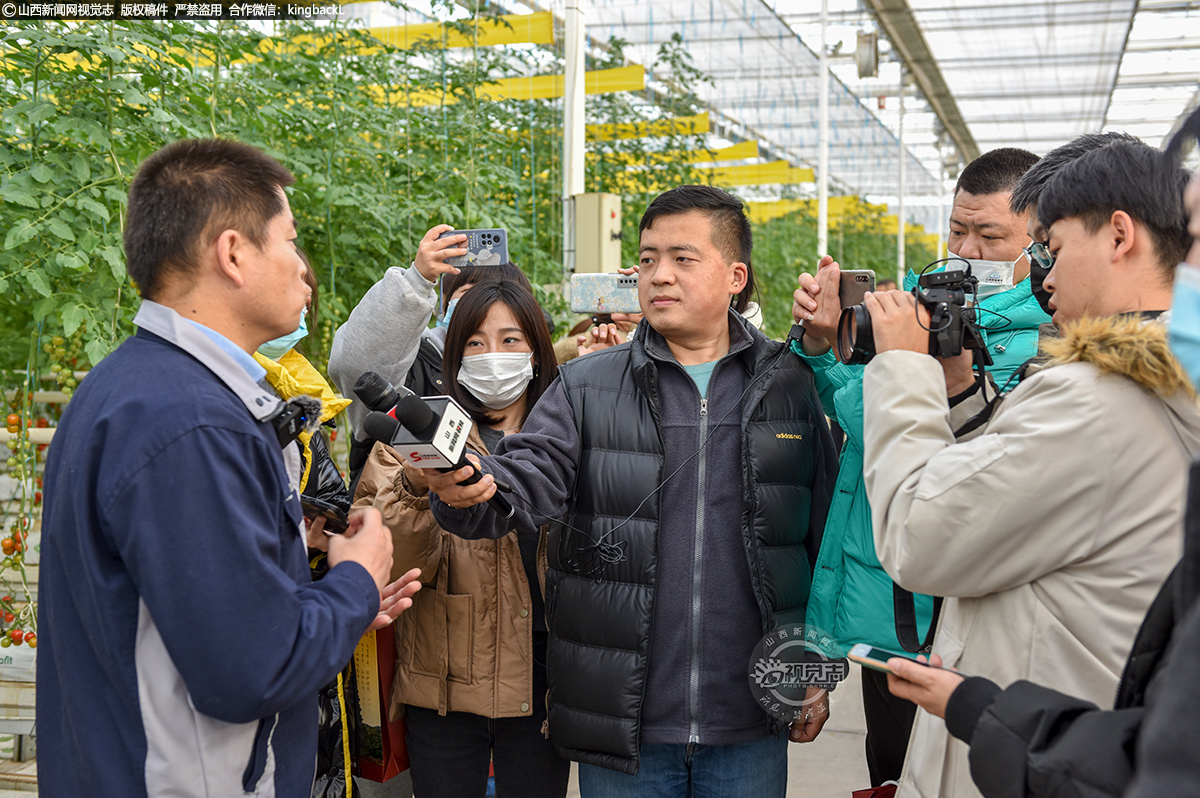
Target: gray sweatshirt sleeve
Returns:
[382, 334]
[539, 464]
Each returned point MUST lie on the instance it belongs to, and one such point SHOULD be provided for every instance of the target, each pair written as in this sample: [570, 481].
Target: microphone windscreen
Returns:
[417, 417]
[375, 392]
[380, 426]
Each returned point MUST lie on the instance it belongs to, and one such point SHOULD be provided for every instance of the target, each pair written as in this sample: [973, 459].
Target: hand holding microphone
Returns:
[464, 487]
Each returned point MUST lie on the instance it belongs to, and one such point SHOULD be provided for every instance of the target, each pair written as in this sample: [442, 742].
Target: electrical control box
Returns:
[598, 232]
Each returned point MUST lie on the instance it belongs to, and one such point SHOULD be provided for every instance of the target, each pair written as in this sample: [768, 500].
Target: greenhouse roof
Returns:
[1026, 74]
[979, 74]
[764, 85]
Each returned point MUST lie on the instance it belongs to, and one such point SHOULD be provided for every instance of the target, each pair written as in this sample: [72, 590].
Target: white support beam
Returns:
[574, 130]
[823, 140]
[897, 21]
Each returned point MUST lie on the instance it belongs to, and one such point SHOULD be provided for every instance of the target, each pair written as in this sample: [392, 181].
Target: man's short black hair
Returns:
[995, 171]
[1128, 176]
[1030, 186]
[730, 228]
[188, 193]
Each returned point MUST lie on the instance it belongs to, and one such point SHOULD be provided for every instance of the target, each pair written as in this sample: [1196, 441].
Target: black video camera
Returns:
[953, 324]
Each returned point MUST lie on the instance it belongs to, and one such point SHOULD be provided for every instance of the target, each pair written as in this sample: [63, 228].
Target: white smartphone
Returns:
[605, 293]
[876, 658]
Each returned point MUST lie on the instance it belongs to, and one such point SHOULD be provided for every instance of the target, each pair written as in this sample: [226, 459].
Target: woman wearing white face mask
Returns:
[388, 331]
[471, 674]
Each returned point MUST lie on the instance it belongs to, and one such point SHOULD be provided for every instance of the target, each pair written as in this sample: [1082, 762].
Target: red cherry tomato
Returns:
[13, 420]
[31, 639]
[16, 635]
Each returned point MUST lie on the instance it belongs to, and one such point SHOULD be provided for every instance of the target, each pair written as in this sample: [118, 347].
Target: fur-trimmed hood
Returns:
[1127, 346]
[1134, 348]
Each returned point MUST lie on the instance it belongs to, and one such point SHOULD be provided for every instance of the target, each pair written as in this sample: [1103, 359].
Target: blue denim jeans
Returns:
[749, 770]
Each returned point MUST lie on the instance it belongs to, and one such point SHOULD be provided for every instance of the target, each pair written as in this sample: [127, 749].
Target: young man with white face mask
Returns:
[1032, 740]
[1051, 527]
[853, 599]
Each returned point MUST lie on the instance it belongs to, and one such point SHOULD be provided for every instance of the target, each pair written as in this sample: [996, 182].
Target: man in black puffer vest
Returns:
[693, 467]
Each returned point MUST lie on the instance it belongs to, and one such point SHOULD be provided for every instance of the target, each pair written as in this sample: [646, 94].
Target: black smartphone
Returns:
[336, 521]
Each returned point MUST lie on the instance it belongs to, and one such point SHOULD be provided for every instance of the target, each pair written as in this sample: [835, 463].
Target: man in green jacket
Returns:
[852, 598]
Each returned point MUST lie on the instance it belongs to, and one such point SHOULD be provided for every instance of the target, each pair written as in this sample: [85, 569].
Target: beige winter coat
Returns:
[1052, 528]
[466, 645]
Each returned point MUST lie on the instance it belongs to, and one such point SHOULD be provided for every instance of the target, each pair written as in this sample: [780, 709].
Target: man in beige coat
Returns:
[1049, 528]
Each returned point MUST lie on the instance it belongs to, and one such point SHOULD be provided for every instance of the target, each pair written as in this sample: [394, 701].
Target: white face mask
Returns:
[496, 379]
[995, 276]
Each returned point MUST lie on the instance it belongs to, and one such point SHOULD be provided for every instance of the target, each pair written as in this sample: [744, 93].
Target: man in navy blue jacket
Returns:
[183, 643]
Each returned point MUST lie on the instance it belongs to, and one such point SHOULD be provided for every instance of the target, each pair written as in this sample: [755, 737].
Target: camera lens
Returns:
[856, 341]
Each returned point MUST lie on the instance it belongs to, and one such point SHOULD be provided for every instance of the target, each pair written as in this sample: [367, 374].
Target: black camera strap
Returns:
[906, 621]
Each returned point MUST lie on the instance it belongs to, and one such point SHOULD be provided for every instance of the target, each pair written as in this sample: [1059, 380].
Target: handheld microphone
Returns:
[378, 394]
[431, 438]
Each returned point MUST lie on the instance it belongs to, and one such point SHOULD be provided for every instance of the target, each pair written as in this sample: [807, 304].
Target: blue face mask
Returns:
[280, 346]
[1184, 333]
[444, 321]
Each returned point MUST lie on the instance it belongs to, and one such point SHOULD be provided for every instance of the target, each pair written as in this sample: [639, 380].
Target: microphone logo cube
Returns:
[445, 447]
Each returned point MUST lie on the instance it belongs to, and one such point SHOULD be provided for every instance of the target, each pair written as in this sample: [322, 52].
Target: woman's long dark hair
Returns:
[469, 315]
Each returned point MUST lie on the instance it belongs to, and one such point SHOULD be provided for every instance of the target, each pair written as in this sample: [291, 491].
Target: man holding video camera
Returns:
[853, 598]
[1051, 524]
[686, 474]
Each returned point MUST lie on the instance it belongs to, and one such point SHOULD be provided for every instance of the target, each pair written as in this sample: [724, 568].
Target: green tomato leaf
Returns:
[116, 263]
[21, 232]
[134, 97]
[92, 207]
[39, 282]
[14, 193]
[69, 260]
[96, 350]
[80, 166]
[42, 307]
[60, 228]
[72, 316]
[41, 173]
[41, 112]
[112, 52]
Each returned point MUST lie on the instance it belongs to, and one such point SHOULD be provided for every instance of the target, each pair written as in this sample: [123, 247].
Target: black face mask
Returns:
[1037, 275]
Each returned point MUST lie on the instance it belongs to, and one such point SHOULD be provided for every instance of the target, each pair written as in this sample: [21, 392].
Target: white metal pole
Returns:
[900, 265]
[942, 224]
[573, 127]
[823, 140]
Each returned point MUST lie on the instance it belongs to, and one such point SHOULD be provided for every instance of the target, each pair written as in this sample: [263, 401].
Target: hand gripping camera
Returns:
[953, 324]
